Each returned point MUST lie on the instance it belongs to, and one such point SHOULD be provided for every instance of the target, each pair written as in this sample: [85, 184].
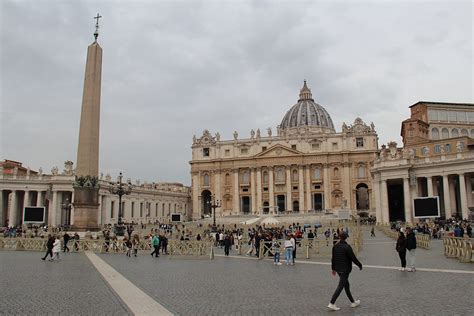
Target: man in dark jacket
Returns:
[49, 246]
[411, 246]
[342, 258]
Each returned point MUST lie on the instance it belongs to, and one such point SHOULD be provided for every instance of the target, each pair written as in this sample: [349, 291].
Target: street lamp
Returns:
[214, 204]
[120, 189]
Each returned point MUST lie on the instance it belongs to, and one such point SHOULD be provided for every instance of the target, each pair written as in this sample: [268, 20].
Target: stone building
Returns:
[437, 159]
[147, 202]
[306, 166]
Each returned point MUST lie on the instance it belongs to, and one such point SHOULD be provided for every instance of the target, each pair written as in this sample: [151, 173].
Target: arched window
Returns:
[294, 176]
[361, 172]
[434, 133]
[205, 180]
[246, 177]
[444, 133]
[280, 176]
[336, 173]
[317, 174]
[227, 179]
[454, 132]
[265, 177]
[464, 132]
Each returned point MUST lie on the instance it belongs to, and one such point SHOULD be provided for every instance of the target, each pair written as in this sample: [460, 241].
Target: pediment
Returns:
[278, 151]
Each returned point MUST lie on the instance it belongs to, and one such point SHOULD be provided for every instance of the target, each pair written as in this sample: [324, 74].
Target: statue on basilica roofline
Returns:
[218, 136]
[54, 171]
[40, 171]
[194, 139]
[258, 132]
[269, 132]
[236, 135]
[252, 133]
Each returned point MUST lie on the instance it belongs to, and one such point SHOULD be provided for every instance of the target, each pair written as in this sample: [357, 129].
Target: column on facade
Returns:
[308, 189]
[253, 191]
[1, 209]
[447, 197]
[429, 181]
[462, 191]
[378, 208]
[407, 200]
[288, 189]
[217, 186]
[327, 188]
[196, 207]
[236, 198]
[346, 185]
[303, 209]
[26, 202]
[271, 197]
[259, 190]
[469, 191]
[12, 212]
[53, 205]
[385, 218]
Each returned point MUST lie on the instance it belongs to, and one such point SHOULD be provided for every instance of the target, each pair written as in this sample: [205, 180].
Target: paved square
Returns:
[240, 285]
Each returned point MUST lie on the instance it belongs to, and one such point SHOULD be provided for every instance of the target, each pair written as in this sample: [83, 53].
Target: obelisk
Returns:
[86, 187]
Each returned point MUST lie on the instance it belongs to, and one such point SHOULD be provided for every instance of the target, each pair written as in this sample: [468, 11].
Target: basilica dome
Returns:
[307, 113]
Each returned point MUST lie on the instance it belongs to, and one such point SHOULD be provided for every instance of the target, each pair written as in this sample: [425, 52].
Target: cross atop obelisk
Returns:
[96, 33]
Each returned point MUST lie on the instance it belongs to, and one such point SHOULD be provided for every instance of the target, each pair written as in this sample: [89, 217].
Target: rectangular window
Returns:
[244, 151]
[462, 117]
[227, 152]
[447, 148]
[359, 142]
[265, 189]
[205, 152]
[315, 146]
[295, 188]
[452, 116]
[432, 115]
[442, 115]
[293, 147]
[334, 146]
[317, 187]
[317, 174]
[264, 148]
[437, 149]
[112, 206]
[470, 117]
[245, 190]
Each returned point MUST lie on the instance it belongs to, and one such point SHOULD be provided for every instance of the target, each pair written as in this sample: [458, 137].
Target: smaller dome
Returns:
[307, 113]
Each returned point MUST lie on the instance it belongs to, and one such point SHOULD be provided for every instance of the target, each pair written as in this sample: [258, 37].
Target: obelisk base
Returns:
[86, 209]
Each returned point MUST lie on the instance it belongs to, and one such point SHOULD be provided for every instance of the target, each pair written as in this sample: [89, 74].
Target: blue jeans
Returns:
[289, 254]
[276, 257]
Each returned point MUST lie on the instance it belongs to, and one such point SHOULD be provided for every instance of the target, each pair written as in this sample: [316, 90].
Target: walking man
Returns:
[411, 247]
[342, 258]
[49, 246]
[66, 239]
[155, 242]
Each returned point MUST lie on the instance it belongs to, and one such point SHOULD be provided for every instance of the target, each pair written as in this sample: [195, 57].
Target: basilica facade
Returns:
[307, 166]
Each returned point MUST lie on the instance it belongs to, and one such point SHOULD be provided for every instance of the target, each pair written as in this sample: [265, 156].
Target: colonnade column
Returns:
[39, 198]
[407, 200]
[259, 190]
[253, 191]
[429, 181]
[288, 189]
[384, 210]
[327, 193]
[52, 210]
[196, 207]
[378, 209]
[462, 190]
[308, 189]
[469, 191]
[26, 202]
[271, 197]
[236, 197]
[12, 213]
[447, 198]
[303, 209]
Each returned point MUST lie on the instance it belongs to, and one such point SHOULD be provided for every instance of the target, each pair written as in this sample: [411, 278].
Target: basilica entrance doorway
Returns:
[296, 206]
[246, 204]
[281, 203]
[266, 208]
[206, 202]
[318, 201]
[396, 206]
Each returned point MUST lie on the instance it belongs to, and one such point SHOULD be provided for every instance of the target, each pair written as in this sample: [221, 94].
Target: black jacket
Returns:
[411, 241]
[342, 258]
[401, 245]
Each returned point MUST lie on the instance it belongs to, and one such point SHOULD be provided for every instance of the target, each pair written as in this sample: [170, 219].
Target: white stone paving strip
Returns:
[364, 266]
[137, 301]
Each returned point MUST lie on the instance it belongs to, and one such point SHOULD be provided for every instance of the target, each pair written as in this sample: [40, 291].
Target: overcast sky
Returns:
[173, 68]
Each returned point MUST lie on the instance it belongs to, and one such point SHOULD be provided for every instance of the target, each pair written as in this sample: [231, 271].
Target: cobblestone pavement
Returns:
[71, 286]
[239, 285]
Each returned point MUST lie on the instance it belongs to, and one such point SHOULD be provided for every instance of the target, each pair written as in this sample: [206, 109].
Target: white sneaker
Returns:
[402, 269]
[355, 304]
[333, 307]
[279, 263]
[274, 263]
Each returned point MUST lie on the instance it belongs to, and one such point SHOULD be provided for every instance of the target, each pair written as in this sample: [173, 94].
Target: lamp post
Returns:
[120, 189]
[214, 204]
[67, 206]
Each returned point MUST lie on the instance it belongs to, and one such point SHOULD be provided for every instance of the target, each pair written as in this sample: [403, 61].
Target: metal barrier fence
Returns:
[460, 248]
